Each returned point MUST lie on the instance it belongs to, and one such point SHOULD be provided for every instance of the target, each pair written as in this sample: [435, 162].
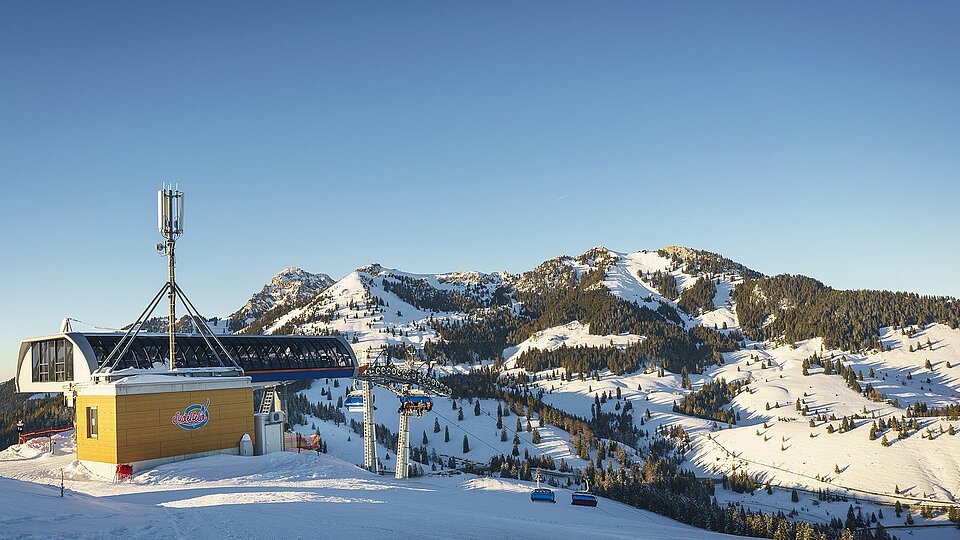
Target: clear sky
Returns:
[809, 137]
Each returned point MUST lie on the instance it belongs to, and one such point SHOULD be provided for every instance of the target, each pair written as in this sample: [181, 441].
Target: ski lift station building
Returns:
[142, 414]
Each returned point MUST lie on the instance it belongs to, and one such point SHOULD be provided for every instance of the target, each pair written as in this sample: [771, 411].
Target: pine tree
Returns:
[446, 433]
[476, 408]
[436, 425]
[466, 445]
[425, 440]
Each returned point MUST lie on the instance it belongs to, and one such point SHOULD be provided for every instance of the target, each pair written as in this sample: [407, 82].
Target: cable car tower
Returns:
[414, 388]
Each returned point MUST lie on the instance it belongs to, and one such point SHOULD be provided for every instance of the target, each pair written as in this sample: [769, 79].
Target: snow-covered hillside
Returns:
[290, 495]
[483, 435]
[573, 334]
[775, 443]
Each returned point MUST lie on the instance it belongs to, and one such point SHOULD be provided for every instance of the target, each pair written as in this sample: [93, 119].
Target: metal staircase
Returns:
[269, 395]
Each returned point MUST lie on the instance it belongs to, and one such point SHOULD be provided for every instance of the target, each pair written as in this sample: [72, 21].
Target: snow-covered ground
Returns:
[289, 495]
[778, 445]
[482, 434]
[573, 334]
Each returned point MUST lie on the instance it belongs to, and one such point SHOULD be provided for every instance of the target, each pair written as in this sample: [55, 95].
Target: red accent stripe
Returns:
[296, 369]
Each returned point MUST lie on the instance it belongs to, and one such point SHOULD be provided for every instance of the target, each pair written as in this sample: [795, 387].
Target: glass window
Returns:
[60, 371]
[68, 354]
[49, 352]
[92, 423]
[35, 359]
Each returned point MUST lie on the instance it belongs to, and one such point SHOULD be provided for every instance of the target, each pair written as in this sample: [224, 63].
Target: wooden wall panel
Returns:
[139, 427]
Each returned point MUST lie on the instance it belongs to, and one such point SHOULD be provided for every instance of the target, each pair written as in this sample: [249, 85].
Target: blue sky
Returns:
[809, 138]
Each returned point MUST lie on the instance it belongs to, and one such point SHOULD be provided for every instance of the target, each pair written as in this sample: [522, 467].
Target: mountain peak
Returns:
[292, 285]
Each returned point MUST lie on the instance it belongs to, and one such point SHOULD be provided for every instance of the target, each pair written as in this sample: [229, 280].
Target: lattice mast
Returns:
[170, 224]
[370, 461]
[403, 439]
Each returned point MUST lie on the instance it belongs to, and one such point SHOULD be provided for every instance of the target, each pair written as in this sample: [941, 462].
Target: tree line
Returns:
[795, 308]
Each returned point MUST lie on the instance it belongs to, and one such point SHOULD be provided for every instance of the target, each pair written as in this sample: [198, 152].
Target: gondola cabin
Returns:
[417, 403]
[583, 498]
[354, 402]
[543, 495]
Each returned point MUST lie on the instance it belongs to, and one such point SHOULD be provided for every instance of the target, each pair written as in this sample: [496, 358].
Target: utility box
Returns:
[246, 445]
[268, 432]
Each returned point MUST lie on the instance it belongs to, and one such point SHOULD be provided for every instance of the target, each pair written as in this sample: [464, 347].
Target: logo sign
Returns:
[193, 417]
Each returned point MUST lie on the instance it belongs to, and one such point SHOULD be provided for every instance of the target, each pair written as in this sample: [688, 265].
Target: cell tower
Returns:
[170, 224]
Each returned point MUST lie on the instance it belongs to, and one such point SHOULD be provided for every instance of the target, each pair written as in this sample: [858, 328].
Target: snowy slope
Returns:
[481, 431]
[784, 452]
[573, 334]
[295, 495]
[920, 467]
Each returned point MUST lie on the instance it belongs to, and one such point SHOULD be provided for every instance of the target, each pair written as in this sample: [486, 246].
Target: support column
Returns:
[369, 430]
[172, 295]
[403, 445]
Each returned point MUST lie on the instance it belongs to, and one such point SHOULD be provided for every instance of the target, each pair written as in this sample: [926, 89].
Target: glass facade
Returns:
[253, 353]
[52, 360]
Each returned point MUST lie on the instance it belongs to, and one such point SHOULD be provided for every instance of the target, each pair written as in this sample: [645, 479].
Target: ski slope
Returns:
[294, 496]
[777, 445]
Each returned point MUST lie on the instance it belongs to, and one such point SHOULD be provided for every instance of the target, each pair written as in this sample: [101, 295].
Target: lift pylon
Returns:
[370, 461]
[401, 381]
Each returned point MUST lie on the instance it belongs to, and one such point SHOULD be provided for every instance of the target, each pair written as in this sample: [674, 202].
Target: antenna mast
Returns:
[170, 224]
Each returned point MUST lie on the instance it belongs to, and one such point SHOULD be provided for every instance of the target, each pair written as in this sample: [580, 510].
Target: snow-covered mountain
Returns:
[808, 404]
[290, 287]
[375, 306]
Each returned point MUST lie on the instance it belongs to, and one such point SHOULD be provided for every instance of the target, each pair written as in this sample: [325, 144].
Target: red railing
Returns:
[24, 437]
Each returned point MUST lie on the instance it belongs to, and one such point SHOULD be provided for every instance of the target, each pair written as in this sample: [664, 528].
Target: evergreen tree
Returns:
[466, 445]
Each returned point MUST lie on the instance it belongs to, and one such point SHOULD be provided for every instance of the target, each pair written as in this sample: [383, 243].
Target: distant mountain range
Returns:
[693, 303]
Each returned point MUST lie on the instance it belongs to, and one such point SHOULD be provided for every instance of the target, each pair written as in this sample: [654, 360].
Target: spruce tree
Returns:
[466, 444]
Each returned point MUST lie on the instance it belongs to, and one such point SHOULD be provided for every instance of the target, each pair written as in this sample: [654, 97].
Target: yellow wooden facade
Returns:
[140, 427]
